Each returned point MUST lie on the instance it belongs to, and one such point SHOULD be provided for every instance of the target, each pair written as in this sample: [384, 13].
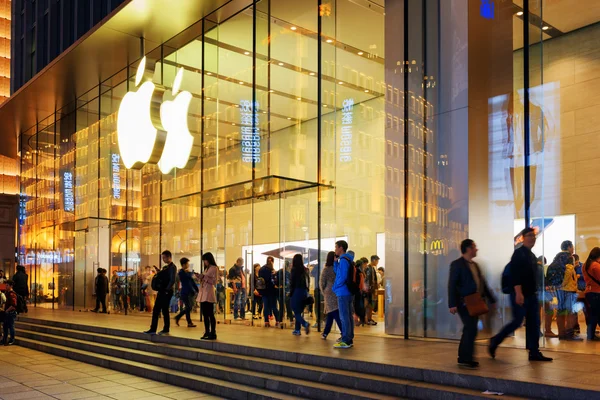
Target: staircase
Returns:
[243, 372]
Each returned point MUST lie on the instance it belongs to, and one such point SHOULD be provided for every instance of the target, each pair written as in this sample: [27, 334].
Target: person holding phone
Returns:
[207, 296]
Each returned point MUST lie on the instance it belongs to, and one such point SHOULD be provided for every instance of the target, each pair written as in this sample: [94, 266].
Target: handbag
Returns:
[475, 304]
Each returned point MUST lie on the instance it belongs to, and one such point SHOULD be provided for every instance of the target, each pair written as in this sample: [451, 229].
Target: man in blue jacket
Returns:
[342, 267]
[465, 279]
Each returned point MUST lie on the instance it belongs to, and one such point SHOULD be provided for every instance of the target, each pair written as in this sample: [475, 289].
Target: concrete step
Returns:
[160, 374]
[370, 377]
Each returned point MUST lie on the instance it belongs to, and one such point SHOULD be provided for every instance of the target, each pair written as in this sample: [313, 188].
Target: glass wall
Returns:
[402, 127]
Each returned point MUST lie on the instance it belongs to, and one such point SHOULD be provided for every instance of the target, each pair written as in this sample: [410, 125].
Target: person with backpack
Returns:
[14, 304]
[591, 273]
[520, 278]
[345, 287]
[581, 304]
[269, 294]
[555, 278]
[466, 279]
[163, 283]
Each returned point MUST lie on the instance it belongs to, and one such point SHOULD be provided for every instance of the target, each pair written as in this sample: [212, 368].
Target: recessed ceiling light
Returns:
[545, 27]
[271, 91]
[241, 83]
[233, 123]
[293, 28]
[246, 52]
[209, 73]
[520, 13]
[312, 74]
[208, 98]
[360, 53]
[329, 40]
[298, 98]
[340, 82]
[324, 105]
[288, 118]
[264, 112]
[280, 64]
[366, 90]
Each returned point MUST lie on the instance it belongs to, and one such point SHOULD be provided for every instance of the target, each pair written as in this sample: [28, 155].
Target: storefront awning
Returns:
[106, 49]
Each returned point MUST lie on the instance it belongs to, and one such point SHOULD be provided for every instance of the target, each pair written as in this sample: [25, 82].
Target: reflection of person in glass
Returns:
[466, 279]
[514, 147]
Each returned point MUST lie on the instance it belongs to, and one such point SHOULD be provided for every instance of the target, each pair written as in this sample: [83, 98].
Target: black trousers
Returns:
[257, 301]
[101, 299]
[187, 308]
[162, 303]
[208, 314]
[469, 334]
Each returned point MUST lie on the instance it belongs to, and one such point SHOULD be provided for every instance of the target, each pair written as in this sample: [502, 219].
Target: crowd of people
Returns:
[558, 292]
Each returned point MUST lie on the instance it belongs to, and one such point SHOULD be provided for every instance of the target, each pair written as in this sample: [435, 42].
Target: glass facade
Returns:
[402, 127]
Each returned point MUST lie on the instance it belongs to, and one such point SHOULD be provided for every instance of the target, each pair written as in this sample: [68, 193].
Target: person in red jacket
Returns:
[10, 313]
[591, 273]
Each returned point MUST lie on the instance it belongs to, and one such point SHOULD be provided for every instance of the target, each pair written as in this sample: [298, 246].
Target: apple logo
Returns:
[136, 132]
[173, 115]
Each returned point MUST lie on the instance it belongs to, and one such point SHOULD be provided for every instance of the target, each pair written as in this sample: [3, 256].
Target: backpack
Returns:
[362, 283]
[20, 307]
[555, 275]
[507, 285]
[261, 284]
[353, 279]
[155, 284]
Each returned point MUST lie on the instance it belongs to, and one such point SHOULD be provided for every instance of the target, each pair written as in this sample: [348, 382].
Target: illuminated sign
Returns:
[346, 140]
[116, 176]
[68, 196]
[250, 131]
[437, 245]
[22, 209]
[487, 9]
[152, 133]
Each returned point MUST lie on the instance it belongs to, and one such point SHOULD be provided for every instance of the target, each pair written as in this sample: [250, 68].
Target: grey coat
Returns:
[326, 286]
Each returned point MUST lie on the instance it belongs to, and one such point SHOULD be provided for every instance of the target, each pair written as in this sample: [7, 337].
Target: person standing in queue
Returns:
[299, 292]
[343, 268]
[466, 279]
[101, 290]
[207, 296]
[163, 283]
[188, 293]
[523, 299]
[21, 284]
[266, 279]
[331, 302]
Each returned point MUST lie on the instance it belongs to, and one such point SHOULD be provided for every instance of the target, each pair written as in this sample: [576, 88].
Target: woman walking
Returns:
[189, 290]
[257, 299]
[207, 296]
[331, 302]
[299, 293]
[591, 273]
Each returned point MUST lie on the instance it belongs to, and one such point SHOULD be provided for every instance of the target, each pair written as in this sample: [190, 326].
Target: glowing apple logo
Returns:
[136, 132]
[173, 115]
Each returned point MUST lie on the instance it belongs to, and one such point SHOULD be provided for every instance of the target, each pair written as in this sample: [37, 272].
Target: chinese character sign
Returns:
[68, 196]
[487, 9]
[116, 176]
[346, 139]
[250, 131]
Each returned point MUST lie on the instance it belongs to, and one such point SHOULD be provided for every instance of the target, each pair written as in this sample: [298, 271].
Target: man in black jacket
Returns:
[21, 284]
[466, 279]
[101, 290]
[163, 283]
[523, 299]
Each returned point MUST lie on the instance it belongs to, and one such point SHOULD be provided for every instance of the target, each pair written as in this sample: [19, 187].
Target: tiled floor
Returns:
[28, 374]
[569, 368]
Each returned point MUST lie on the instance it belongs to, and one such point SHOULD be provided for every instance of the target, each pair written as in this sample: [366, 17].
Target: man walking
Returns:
[372, 286]
[21, 284]
[163, 283]
[523, 299]
[343, 268]
[101, 290]
[466, 279]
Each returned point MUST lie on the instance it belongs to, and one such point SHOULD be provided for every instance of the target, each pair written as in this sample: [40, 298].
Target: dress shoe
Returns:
[163, 333]
[492, 349]
[539, 357]
[468, 364]
[205, 337]
[150, 332]
[191, 325]
[177, 321]
[212, 336]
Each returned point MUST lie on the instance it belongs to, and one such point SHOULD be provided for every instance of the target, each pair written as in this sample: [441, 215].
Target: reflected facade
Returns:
[402, 127]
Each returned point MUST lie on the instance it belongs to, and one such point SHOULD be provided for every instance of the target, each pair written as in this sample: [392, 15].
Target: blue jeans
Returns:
[530, 310]
[239, 303]
[297, 302]
[270, 306]
[332, 316]
[9, 326]
[345, 309]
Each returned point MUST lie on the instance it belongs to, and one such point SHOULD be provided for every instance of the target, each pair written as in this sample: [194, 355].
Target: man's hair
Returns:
[270, 258]
[381, 269]
[167, 253]
[343, 244]
[526, 231]
[9, 282]
[374, 257]
[184, 261]
[99, 270]
[20, 268]
[564, 246]
[576, 257]
[465, 245]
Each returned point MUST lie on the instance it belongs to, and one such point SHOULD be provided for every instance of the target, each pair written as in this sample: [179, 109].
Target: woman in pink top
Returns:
[207, 296]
